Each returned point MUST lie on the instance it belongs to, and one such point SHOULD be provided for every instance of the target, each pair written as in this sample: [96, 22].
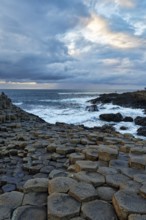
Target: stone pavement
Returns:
[62, 171]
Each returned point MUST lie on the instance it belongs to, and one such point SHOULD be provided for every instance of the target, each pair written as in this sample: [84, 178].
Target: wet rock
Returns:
[105, 193]
[126, 203]
[29, 213]
[141, 131]
[83, 192]
[111, 117]
[143, 190]
[9, 187]
[128, 119]
[61, 184]
[86, 165]
[116, 180]
[140, 121]
[35, 199]
[36, 185]
[90, 177]
[136, 217]
[97, 209]
[62, 206]
[107, 154]
[8, 202]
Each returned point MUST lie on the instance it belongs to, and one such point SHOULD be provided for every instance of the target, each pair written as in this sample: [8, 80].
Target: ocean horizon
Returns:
[69, 106]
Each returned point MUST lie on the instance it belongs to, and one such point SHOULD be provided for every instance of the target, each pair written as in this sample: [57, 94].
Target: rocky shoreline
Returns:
[65, 171]
[135, 100]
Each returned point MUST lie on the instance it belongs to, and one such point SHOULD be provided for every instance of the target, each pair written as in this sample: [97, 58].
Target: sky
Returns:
[58, 44]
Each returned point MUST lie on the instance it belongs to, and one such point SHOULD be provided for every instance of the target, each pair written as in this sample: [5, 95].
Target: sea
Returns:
[69, 106]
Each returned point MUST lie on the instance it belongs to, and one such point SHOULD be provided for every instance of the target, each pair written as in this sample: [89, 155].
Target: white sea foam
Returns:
[18, 103]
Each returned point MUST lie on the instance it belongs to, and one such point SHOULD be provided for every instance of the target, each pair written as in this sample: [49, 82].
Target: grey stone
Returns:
[35, 198]
[76, 156]
[126, 203]
[131, 186]
[105, 193]
[62, 206]
[86, 165]
[36, 185]
[30, 213]
[97, 209]
[8, 202]
[83, 192]
[116, 180]
[107, 153]
[141, 178]
[60, 184]
[143, 190]
[107, 170]
[90, 177]
[136, 217]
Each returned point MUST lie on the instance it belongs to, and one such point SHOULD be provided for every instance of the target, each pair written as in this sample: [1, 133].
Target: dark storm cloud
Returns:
[53, 41]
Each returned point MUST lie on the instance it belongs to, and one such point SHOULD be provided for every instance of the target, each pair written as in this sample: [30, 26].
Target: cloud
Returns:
[79, 41]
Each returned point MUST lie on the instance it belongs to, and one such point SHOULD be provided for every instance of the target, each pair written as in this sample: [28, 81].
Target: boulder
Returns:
[111, 117]
[140, 121]
[142, 131]
[128, 119]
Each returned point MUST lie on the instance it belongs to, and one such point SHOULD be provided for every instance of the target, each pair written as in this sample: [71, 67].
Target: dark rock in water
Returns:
[142, 131]
[140, 121]
[123, 128]
[111, 117]
[92, 108]
[128, 119]
[129, 99]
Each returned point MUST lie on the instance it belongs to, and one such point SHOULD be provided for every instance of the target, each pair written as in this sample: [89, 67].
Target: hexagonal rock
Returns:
[77, 218]
[137, 162]
[105, 193]
[143, 191]
[141, 178]
[76, 156]
[136, 217]
[97, 209]
[35, 198]
[65, 150]
[61, 184]
[107, 170]
[130, 172]
[91, 154]
[29, 213]
[86, 165]
[8, 202]
[62, 206]
[36, 185]
[107, 154]
[131, 186]
[116, 180]
[90, 177]
[83, 192]
[126, 203]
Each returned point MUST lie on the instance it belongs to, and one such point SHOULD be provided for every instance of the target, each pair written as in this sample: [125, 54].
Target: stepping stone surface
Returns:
[86, 165]
[90, 177]
[62, 206]
[36, 185]
[29, 213]
[98, 210]
[126, 203]
[83, 192]
[61, 184]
